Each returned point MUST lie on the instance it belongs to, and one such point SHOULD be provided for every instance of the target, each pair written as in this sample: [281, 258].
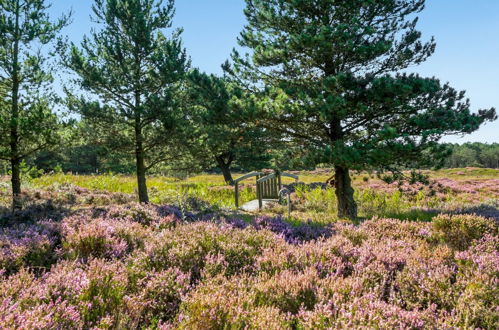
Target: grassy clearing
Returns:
[459, 188]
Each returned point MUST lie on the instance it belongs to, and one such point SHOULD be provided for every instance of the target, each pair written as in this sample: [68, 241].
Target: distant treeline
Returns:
[473, 154]
[92, 159]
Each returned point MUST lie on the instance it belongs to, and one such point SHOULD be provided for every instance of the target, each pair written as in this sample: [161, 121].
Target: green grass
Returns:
[209, 188]
[318, 205]
[469, 173]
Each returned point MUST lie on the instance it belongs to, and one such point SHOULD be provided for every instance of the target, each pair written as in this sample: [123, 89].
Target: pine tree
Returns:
[27, 123]
[133, 70]
[220, 126]
[336, 69]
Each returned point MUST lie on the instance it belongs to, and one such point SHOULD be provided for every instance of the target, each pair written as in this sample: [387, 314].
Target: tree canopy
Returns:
[27, 121]
[334, 74]
[323, 83]
[132, 70]
[221, 126]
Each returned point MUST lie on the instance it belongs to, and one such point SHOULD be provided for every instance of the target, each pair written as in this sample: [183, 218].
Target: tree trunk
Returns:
[15, 164]
[141, 168]
[347, 208]
[15, 161]
[225, 167]
[227, 174]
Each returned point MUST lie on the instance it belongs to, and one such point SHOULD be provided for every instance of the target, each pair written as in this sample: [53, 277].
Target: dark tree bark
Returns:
[225, 168]
[347, 208]
[15, 161]
[15, 164]
[141, 168]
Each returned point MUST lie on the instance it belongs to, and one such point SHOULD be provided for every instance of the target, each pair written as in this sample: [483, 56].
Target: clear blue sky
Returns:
[466, 31]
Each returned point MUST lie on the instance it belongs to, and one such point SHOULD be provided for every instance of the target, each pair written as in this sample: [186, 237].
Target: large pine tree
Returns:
[27, 123]
[336, 69]
[131, 71]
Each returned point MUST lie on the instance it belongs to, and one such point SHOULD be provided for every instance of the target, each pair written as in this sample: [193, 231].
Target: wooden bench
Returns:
[268, 186]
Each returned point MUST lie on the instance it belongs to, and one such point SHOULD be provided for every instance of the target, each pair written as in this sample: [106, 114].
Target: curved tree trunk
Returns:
[225, 168]
[227, 175]
[347, 208]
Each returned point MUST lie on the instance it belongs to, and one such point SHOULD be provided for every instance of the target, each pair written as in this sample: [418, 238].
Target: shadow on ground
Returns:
[34, 211]
[483, 210]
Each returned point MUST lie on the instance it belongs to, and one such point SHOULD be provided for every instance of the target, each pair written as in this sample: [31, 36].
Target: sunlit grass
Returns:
[315, 204]
[466, 173]
[210, 188]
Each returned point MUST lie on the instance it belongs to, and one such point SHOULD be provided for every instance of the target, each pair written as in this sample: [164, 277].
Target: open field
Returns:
[86, 255]
[469, 190]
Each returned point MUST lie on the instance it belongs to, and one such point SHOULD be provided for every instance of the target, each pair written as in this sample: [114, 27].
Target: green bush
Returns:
[459, 231]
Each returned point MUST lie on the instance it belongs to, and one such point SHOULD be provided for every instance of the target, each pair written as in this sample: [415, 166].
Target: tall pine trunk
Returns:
[15, 161]
[225, 168]
[15, 164]
[141, 168]
[347, 208]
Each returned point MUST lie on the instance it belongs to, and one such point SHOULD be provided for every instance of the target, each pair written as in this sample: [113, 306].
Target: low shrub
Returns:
[477, 280]
[160, 294]
[101, 238]
[28, 246]
[135, 266]
[189, 246]
[223, 303]
[459, 231]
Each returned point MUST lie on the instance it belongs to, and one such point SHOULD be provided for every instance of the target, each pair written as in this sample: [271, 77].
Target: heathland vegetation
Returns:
[116, 198]
[83, 254]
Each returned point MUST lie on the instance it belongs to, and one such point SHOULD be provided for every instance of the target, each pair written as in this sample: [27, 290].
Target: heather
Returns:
[469, 190]
[306, 185]
[90, 258]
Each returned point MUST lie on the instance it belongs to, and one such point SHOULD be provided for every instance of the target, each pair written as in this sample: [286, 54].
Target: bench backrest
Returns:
[267, 186]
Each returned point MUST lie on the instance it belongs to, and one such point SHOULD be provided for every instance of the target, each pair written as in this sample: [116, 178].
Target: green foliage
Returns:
[27, 121]
[474, 154]
[79, 155]
[133, 70]
[221, 127]
[413, 177]
[459, 231]
[330, 72]
[28, 172]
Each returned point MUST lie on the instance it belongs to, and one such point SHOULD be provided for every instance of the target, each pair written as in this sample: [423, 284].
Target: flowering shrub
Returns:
[26, 303]
[150, 215]
[220, 303]
[145, 266]
[459, 231]
[53, 315]
[160, 295]
[368, 312]
[27, 245]
[478, 279]
[100, 237]
[191, 246]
